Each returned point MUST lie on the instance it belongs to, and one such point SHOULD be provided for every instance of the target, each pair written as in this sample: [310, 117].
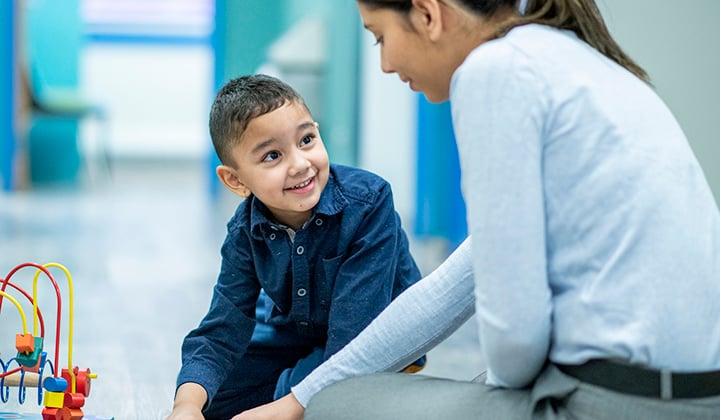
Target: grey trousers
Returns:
[554, 395]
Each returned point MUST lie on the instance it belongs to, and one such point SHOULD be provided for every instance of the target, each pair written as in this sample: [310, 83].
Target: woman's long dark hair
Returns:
[580, 16]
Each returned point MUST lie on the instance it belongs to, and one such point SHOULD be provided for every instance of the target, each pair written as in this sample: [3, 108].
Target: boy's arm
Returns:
[190, 399]
[212, 348]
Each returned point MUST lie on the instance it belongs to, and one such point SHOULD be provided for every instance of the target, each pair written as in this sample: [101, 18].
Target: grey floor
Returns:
[142, 246]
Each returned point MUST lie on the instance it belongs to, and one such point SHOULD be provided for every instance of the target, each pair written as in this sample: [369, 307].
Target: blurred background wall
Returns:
[675, 43]
[9, 84]
[148, 69]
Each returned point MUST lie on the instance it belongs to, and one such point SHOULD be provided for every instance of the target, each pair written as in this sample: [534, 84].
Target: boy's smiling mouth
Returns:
[301, 185]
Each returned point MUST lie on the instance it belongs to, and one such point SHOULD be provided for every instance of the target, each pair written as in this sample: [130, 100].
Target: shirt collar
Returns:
[332, 201]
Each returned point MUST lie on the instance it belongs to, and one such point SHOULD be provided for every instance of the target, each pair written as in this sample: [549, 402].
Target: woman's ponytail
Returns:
[582, 17]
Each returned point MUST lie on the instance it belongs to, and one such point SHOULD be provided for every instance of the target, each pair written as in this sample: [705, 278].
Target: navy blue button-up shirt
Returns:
[341, 270]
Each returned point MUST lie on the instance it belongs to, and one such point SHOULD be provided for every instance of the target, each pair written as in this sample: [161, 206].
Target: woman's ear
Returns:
[230, 178]
[426, 16]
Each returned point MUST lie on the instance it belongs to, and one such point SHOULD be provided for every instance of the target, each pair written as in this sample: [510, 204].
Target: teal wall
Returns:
[295, 10]
[341, 84]
[340, 76]
[246, 28]
[54, 34]
[54, 41]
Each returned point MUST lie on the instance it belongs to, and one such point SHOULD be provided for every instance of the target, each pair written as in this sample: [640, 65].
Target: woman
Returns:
[595, 259]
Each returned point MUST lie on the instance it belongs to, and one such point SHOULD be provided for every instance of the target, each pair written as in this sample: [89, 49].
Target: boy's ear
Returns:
[229, 177]
[427, 17]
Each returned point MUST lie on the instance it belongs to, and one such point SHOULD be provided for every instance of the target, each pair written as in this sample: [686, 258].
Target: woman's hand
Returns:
[286, 408]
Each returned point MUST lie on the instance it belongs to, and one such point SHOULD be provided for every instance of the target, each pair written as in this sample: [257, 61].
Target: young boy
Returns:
[312, 255]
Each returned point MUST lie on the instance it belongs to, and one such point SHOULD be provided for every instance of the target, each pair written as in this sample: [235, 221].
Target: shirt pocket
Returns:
[326, 281]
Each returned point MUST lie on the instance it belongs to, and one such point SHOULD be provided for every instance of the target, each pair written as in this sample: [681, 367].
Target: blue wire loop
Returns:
[4, 390]
[22, 389]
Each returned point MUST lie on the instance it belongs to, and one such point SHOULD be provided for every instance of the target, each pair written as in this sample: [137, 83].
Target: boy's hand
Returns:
[189, 401]
[185, 412]
[285, 408]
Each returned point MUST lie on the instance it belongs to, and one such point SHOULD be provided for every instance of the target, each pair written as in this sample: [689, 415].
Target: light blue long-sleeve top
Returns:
[594, 232]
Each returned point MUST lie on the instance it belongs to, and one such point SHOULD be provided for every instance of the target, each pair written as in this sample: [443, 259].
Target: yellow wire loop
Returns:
[20, 309]
[70, 316]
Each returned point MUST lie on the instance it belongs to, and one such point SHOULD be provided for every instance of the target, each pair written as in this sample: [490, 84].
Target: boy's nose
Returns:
[299, 165]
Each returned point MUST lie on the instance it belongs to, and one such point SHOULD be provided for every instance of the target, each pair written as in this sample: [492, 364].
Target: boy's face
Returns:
[280, 159]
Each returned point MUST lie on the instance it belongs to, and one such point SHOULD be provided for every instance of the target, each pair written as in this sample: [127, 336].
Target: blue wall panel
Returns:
[440, 206]
[7, 91]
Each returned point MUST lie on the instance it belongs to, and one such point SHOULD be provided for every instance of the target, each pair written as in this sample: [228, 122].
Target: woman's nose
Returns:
[385, 65]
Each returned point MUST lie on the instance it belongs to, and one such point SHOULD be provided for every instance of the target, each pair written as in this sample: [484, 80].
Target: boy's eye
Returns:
[306, 140]
[270, 156]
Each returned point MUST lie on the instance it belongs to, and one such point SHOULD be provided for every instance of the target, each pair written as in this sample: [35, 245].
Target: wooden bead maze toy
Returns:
[61, 391]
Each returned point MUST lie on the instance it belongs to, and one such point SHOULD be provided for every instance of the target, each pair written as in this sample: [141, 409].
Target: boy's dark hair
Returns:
[241, 100]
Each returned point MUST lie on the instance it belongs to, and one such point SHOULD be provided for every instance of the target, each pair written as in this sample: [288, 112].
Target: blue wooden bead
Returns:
[53, 384]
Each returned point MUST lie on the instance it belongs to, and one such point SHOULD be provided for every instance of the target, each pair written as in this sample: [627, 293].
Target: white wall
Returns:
[676, 43]
[157, 97]
[388, 128]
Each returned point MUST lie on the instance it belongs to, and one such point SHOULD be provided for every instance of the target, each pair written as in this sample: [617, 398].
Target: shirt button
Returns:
[300, 250]
[272, 236]
[319, 222]
[301, 292]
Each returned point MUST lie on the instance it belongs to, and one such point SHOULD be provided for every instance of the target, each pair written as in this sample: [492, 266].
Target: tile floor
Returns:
[142, 246]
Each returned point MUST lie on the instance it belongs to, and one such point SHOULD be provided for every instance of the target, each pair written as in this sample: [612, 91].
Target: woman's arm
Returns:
[420, 318]
[500, 118]
[416, 321]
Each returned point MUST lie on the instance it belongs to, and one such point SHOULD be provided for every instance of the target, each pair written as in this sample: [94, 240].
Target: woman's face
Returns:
[406, 49]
